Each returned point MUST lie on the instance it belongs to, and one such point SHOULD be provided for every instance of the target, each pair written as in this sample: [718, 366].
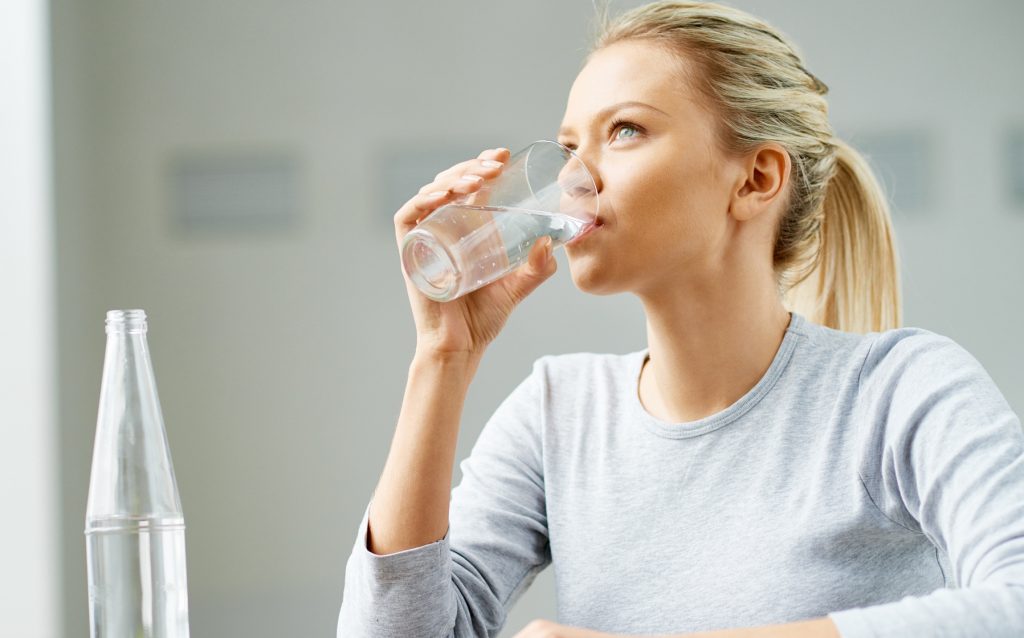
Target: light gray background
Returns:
[29, 561]
[281, 354]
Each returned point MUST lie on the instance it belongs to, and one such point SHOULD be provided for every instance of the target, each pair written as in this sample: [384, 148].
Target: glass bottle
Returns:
[134, 527]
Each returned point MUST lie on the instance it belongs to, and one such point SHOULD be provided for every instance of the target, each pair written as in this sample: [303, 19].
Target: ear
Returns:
[764, 175]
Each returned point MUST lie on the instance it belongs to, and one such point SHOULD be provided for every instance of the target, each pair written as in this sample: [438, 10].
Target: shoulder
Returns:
[914, 380]
[827, 356]
[899, 354]
[585, 372]
[894, 371]
[576, 365]
[920, 357]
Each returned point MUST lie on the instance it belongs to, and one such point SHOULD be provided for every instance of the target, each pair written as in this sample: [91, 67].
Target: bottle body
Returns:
[137, 579]
[134, 526]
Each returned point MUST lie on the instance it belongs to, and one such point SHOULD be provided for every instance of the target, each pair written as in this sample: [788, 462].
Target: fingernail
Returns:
[471, 178]
[437, 194]
[491, 163]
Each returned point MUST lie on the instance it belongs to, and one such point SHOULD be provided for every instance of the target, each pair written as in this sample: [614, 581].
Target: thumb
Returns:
[539, 266]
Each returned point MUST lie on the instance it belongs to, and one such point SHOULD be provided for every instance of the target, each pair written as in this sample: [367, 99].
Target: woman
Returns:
[755, 468]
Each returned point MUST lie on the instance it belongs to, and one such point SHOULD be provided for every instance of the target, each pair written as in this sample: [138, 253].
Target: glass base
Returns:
[429, 266]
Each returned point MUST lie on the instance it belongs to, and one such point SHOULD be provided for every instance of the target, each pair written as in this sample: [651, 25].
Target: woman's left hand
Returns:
[816, 628]
[547, 629]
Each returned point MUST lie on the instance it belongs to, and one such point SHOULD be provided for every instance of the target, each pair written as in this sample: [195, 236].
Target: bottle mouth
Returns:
[130, 321]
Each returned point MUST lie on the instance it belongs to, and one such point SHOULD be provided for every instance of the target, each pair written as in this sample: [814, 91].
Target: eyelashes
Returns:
[616, 124]
[614, 127]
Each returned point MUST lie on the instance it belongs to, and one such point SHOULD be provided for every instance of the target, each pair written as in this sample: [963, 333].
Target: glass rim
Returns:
[586, 169]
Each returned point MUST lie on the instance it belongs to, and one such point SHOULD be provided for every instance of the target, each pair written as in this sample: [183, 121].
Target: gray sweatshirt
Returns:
[877, 479]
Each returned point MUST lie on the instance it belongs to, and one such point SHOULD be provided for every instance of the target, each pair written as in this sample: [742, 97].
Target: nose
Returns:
[574, 172]
[573, 177]
[580, 185]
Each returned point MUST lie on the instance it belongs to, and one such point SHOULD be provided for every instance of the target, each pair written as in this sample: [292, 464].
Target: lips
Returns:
[590, 229]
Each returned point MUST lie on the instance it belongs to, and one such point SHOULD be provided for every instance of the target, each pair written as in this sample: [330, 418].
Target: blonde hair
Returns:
[835, 256]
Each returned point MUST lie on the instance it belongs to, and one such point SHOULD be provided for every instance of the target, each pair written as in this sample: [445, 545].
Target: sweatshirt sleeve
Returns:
[943, 456]
[497, 542]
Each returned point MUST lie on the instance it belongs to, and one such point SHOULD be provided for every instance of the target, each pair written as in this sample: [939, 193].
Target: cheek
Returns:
[670, 202]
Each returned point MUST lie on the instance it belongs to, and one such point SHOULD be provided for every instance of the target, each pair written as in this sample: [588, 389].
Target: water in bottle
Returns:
[134, 527]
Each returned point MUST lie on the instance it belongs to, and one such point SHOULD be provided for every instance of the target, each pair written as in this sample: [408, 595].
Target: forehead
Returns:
[628, 71]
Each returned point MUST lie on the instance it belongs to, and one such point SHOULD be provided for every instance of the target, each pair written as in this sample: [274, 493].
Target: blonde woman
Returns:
[781, 460]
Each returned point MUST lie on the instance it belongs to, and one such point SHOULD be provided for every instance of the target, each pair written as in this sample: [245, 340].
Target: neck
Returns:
[709, 344]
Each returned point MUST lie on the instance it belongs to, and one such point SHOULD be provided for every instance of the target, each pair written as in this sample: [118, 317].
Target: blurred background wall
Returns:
[281, 340]
[29, 523]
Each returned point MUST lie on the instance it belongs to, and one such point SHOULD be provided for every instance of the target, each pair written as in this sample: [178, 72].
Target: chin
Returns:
[589, 277]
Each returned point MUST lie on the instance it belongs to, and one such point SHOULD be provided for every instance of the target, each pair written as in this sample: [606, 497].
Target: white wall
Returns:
[29, 585]
[281, 357]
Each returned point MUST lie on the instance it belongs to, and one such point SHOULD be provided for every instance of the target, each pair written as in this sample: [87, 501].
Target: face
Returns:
[663, 185]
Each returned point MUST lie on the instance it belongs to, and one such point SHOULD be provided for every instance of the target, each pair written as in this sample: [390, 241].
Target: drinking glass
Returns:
[543, 189]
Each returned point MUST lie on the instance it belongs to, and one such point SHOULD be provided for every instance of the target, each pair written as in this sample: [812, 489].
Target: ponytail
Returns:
[854, 284]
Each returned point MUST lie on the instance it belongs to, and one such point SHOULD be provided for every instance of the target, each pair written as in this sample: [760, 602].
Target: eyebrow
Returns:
[604, 113]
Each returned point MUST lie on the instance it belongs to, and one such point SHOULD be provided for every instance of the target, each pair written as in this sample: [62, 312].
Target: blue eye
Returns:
[616, 127]
[621, 125]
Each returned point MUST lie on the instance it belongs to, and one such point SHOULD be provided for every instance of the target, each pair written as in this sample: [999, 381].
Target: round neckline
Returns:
[710, 423]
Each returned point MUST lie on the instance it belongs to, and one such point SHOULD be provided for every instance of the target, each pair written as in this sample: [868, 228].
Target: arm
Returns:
[401, 579]
[398, 576]
[410, 504]
[460, 580]
[944, 457]
[818, 628]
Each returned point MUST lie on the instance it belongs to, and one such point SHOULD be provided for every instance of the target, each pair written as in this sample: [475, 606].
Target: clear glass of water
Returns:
[544, 189]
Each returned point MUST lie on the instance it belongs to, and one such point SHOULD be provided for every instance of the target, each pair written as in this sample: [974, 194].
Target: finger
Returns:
[474, 175]
[447, 175]
[420, 206]
[500, 154]
[461, 179]
[478, 166]
[541, 255]
[473, 184]
[540, 265]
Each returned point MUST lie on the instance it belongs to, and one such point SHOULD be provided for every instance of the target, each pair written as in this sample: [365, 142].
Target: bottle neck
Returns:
[132, 476]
